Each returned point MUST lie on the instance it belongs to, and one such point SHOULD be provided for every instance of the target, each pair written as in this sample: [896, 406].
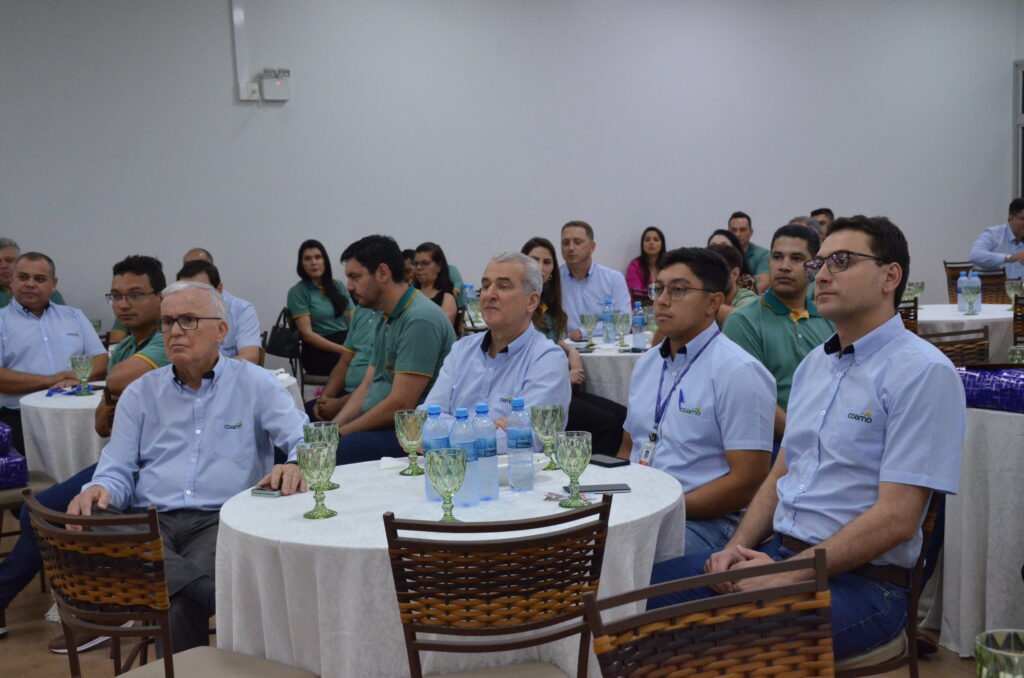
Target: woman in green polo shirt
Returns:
[320, 308]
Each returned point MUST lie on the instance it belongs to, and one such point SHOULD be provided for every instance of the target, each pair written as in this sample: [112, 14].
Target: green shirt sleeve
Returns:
[420, 348]
[298, 301]
[57, 298]
[153, 352]
[739, 328]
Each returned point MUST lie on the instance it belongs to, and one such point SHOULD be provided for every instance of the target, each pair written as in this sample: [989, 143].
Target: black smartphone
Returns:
[265, 492]
[608, 460]
[612, 488]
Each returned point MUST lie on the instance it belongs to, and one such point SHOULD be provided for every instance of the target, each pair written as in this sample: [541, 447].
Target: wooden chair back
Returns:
[109, 573]
[953, 269]
[786, 630]
[962, 347]
[993, 287]
[509, 587]
[908, 311]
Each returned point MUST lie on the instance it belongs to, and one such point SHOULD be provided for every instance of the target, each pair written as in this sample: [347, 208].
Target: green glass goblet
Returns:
[547, 420]
[652, 324]
[588, 323]
[409, 429]
[970, 296]
[317, 462]
[622, 322]
[1014, 288]
[1015, 356]
[81, 365]
[325, 433]
[572, 452]
[446, 469]
[913, 290]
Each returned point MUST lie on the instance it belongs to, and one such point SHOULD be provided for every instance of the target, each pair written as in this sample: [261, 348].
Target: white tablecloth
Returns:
[984, 546]
[933, 318]
[60, 433]
[320, 595]
[608, 372]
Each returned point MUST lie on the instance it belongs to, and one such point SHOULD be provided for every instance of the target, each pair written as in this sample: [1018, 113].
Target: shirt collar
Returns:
[694, 345]
[870, 343]
[17, 305]
[213, 375]
[1012, 238]
[403, 303]
[775, 304]
[517, 345]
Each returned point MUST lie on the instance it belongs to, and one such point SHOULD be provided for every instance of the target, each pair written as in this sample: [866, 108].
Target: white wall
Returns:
[481, 123]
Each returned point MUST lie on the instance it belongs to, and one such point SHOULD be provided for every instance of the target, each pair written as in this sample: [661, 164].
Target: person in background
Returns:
[348, 373]
[586, 284]
[243, 338]
[1002, 246]
[808, 223]
[587, 411]
[9, 252]
[320, 307]
[742, 227]
[644, 269]
[430, 269]
[410, 271]
[457, 285]
[824, 217]
[735, 296]
[745, 281]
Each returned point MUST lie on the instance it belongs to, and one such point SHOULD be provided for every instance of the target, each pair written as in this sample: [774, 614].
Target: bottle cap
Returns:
[518, 402]
[433, 410]
[481, 408]
[461, 412]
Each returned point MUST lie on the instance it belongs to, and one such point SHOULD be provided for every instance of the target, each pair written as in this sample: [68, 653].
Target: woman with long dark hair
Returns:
[431, 277]
[320, 308]
[746, 281]
[644, 269]
[549, 317]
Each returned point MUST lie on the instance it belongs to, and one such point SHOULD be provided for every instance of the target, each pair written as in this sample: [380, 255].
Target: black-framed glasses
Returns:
[675, 291]
[133, 297]
[837, 262]
[185, 322]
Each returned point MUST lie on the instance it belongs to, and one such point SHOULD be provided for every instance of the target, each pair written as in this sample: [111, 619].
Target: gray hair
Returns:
[808, 222]
[532, 281]
[219, 307]
[7, 242]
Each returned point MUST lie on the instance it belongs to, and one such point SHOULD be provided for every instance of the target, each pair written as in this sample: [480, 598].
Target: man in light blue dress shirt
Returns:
[1002, 246]
[700, 407]
[586, 284]
[186, 438]
[511, 359]
[875, 425]
[38, 338]
[243, 338]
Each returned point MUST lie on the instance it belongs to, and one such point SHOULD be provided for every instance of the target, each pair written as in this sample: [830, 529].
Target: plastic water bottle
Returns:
[639, 325]
[520, 448]
[961, 304]
[607, 322]
[976, 282]
[486, 452]
[435, 437]
[464, 438]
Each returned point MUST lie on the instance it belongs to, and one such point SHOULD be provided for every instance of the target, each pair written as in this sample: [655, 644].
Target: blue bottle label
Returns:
[521, 439]
[486, 447]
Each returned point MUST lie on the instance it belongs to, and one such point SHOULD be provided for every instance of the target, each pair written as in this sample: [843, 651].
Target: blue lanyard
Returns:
[660, 406]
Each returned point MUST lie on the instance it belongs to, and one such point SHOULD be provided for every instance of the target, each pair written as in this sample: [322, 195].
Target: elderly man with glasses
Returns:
[875, 425]
[700, 407]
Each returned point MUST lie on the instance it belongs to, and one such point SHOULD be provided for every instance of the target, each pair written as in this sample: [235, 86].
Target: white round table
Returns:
[320, 594]
[608, 372]
[60, 433]
[932, 318]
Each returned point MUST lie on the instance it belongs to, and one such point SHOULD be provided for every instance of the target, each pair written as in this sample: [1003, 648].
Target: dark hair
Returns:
[200, 266]
[1016, 206]
[444, 278]
[38, 256]
[139, 264]
[733, 259]
[644, 265]
[709, 267]
[802, 232]
[831, 217]
[745, 268]
[374, 250]
[338, 300]
[408, 254]
[741, 215]
[579, 224]
[886, 240]
[551, 295]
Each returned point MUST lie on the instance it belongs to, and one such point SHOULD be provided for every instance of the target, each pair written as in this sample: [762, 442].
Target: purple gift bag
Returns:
[13, 466]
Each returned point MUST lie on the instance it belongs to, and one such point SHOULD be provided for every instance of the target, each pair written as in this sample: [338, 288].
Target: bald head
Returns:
[197, 254]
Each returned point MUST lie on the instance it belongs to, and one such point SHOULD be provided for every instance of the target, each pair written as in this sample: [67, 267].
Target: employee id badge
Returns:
[647, 453]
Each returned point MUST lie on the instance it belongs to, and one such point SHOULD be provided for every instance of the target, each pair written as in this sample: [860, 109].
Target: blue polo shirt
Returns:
[891, 408]
[725, 401]
[43, 345]
[243, 326]
[531, 368]
[588, 295]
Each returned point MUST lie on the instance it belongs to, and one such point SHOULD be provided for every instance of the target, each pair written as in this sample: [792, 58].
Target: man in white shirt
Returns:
[587, 285]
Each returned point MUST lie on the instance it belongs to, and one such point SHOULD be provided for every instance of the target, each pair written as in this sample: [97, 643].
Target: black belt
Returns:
[893, 574]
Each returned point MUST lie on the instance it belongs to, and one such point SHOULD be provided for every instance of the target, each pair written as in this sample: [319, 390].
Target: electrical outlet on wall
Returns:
[248, 91]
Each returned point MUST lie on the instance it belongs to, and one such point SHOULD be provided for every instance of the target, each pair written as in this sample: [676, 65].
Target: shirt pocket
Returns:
[858, 429]
[231, 440]
[73, 343]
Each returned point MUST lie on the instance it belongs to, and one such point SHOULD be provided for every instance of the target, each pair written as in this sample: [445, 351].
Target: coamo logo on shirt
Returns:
[865, 416]
[233, 427]
[695, 411]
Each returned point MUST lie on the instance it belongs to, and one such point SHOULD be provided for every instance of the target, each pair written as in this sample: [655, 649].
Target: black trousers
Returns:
[315, 361]
[602, 417]
[13, 419]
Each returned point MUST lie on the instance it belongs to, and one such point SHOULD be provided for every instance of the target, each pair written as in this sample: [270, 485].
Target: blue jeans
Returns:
[24, 562]
[866, 612]
[711, 534]
[368, 446]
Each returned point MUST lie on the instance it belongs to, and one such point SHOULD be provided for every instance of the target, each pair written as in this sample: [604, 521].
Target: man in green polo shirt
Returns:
[412, 340]
[351, 368]
[9, 252]
[784, 325]
[742, 227]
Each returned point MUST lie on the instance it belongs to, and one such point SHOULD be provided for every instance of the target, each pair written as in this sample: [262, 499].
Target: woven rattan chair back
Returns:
[1018, 320]
[785, 630]
[993, 287]
[953, 269]
[908, 311]
[109, 573]
[962, 347]
[479, 589]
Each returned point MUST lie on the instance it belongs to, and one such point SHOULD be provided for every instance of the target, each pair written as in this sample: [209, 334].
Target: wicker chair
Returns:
[953, 269]
[510, 588]
[908, 310]
[962, 347]
[993, 287]
[112, 573]
[1018, 321]
[785, 631]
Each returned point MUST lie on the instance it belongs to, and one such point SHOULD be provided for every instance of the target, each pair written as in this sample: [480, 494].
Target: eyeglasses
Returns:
[837, 262]
[421, 264]
[185, 322]
[134, 297]
[675, 292]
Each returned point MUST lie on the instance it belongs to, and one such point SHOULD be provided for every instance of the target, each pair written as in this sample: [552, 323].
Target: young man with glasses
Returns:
[875, 425]
[700, 407]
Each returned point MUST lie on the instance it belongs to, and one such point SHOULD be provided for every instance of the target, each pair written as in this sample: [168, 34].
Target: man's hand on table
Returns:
[64, 379]
[81, 505]
[284, 477]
